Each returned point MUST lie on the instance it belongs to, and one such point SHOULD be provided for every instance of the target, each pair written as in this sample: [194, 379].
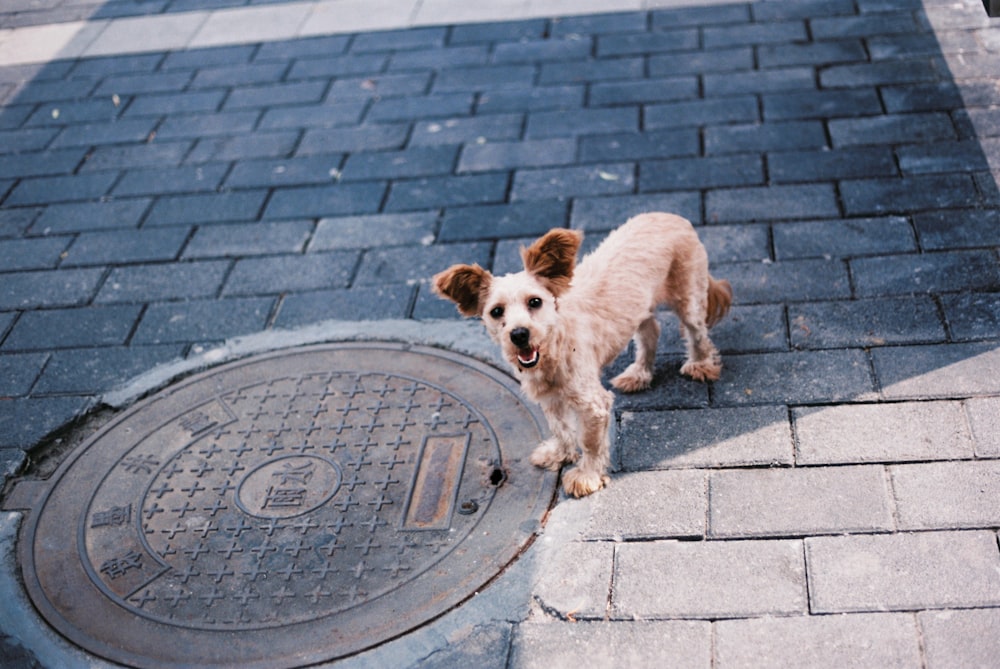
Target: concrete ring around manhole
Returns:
[288, 508]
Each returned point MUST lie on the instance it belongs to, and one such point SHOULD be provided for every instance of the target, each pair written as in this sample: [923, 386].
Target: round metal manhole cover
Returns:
[287, 509]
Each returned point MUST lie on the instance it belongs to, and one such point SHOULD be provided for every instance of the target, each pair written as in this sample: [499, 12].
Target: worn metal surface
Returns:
[287, 509]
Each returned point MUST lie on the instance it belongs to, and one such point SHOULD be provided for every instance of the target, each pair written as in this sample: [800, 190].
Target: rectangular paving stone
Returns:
[969, 638]
[291, 273]
[754, 33]
[844, 238]
[241, 74]
[536, 98]
[491, 221]
[944, 96]
[891, 129]
[701, 172]
[19, 371]
[497, 31]
[67, 328]
[144, 82]
[32, 253]
[125, 246]
[96, 134]
[560, 182]
[406, 265]
[416, 162]
[708, 579]
[700, 112]
[724, 437]
[821, 104]
[925, 273]
[789, 281]
[25, 421]
[374, 230]
[486, 156]
[533, 51]
[278, 144]
[640, 145]
[942, 157]
[48, 288]
[174, 103]
[484, 78]
[900, 572]
[123, 156]
[664, 89]
[607, 69]
[867, 322]
[436, 192]
[771, 203]
[360, 138]
[886, 72]
[461, 130]
[878, 196]
[897, 432]
[437, 57]
[574, 122]
[14, 222]
[576, 579]
[60, 218]
[163, 181]
[777, 136]
[93, 371]
[984, 418]
[320, 169]
[752, 329]
[319, 201]
[759, 81]
[606, 213]
[50, 190]
[207, 124]
[42, 163]
[821, 642]
[202, 320]
[336, 66]
[798, 501]
[168, 281]
[650, 505]
[947, 495]
[420, 107]
[250, 97]
[796, 377]
[636, 644]
[245, 239]
[206, 208]
[827, 52]
[313, 115]
[366, 303]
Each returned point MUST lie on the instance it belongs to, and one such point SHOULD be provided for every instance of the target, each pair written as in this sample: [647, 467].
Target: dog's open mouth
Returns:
[528, 357]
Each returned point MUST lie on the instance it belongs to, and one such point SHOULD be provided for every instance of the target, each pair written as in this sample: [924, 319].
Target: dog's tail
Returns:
[720, 298]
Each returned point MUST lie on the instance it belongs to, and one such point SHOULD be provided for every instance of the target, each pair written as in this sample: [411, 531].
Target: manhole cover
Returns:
[287, 509]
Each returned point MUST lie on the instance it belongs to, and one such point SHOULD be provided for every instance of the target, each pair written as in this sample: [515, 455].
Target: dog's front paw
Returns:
[582, 482]
[633, 379]
[549, 455]
[703, 370]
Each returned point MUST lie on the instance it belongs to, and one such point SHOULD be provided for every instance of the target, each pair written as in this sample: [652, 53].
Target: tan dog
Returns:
[559, 327]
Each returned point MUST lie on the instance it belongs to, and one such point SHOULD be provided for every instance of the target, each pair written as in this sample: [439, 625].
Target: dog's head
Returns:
[519, 310]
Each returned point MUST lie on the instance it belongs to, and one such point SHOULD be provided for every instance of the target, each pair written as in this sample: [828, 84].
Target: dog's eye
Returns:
[535, 303]
[496, 312]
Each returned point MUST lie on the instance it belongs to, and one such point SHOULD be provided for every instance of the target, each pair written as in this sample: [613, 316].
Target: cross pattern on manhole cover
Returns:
[307, 504]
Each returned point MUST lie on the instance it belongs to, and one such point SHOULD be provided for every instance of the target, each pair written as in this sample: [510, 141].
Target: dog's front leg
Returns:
[590, 473]
[560, 448]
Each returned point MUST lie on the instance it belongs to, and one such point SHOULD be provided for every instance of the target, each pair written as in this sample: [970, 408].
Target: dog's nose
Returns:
[520, 337]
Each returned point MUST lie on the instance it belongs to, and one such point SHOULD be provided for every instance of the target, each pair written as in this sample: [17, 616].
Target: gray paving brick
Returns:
[942, 157]
[244, 239]
[577, 580]
[488, 78]
[608, 69]
[96, 134]
[497, 31]
[598, 644]
[877, 196]
[361, 138]
[206, 208]
[311, 115]
[491, 221]
[984, 419]
[799, 501]
[436, 58]
[164, 154]
[48, 288]
[533, 51]
[242, 74]
[943, 95]
[563, 182]
[207, 124]
[144, 82]
[186, 179]
[14, 222]
[701, 112]
[461, 130]
[49, 190]
[766, 137]
[42, 163]
[61, 218]
[250, 97]
[169, 281]
[392, 40]
[821, 642]
[290, 273]
[537, 98]
[125, 246]
[644, 90]
[752, 329]
[955, 370]
[486, 156]
[946, 495]
[701, 172]
[789, 281]
[357, 232]
[357, 304]
[925, 273]
[972, 316]
[192, 59]
[813, 377]
[257, 145]
[887, 72]
[891, 129]
[92, 371]
[899, 432]
[862, 26]
[650, 505]
[404, 265]
[821, 104]
[574, 122]
[19, 371]
[771, 203]
[416, 162]
[202, 320]
[605, 213]
[811, 53]
[640, 145]
[32, 253]
[759, 81]
[956, 228]
[733, 437]
[968, 638]
[869, 322]
[640, 43]
[435, 192]
[598, 23]
[336, 66]
[320, 169]
[847, 238]
[24, 422]
[421, 107]
[319, 201]
[902, 571]
[430, 306]
[34, 139]
[67, 328]
[708, 579]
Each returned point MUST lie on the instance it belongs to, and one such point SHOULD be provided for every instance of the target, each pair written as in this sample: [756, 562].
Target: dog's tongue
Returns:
[528, 357]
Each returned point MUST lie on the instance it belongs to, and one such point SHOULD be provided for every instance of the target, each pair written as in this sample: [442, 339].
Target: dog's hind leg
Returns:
[639, 375]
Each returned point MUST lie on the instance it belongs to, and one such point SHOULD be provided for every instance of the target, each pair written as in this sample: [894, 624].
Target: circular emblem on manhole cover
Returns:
[287, 509]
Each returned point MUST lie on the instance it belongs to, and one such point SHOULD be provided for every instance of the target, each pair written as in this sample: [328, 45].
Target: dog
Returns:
[559, 324]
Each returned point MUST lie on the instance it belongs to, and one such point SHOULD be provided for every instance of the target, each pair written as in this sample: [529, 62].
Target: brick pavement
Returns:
[831, 500]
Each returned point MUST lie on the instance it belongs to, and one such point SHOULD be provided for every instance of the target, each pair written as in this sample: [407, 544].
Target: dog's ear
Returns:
[553, 257]
[465, 285]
